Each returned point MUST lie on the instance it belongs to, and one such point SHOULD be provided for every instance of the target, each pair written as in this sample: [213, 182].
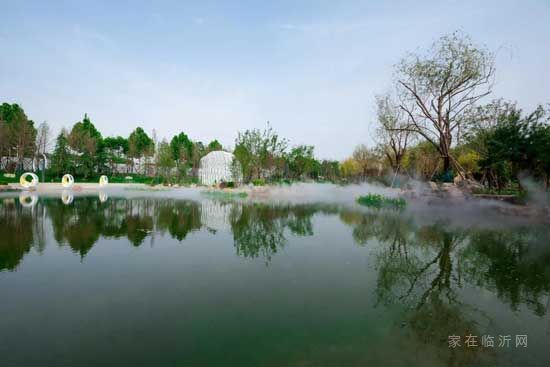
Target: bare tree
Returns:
[437, 89]
[394, 131]
[43, 138]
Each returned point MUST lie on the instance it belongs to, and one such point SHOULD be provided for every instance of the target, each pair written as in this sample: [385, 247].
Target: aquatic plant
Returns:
[379, 201]
[221, 194]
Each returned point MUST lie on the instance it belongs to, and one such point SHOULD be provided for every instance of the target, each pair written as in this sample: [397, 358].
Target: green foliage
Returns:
[301, 162]
[140, 144]
[224, 195]
[350, 168]
[259, 153]
[87, 142]
[214, 145]
[379, 202]
[258, 182]
[165, 159]
[62, 159]
[182, 148]
[17, 133]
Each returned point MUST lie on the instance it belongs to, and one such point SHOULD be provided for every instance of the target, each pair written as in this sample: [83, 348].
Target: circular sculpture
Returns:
[27, 200]
[103, 197]
[103, 180]
[67, 197]
[28, 184]
[67, 181]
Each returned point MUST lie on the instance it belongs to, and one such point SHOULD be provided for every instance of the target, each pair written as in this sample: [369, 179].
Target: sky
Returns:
[213, 68]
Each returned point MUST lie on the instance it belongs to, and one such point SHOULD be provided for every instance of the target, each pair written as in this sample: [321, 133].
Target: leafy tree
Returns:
[350, 168]
[259, 152]
[87, 142]
[140, 145]
[182, 149]
[17, 133]
[62, 160]
[214, 145]
[165, 159]
[115, 150]
[329, 170]
[301, 161]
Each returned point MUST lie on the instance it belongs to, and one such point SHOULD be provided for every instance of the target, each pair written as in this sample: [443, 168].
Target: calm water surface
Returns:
[158, 282]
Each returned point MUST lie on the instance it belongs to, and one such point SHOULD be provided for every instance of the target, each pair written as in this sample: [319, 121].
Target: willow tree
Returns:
[437, 89]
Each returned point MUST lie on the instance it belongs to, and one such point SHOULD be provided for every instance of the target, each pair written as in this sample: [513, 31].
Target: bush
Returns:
[258, 182]
[379, 201]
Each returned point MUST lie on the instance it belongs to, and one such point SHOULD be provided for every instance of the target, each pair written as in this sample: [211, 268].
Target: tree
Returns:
[86, 141]
[329, 170]
[301, 161]
[18, 133]
[350, 168]
[393, 132]
[140, 145]
[362, 155]
[61, 161]
[182, 149]
[437, 89]
[115, 150]
[214, 145]
[43, 138]
[259, 152]
[165, 159]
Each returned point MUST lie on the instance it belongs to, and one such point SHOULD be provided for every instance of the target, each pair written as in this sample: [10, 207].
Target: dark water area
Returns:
[158, 282]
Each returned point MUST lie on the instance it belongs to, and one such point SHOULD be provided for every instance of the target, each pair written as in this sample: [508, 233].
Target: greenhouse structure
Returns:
[215, 168]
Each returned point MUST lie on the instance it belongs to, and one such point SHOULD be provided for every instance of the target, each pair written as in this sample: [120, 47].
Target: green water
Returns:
[158, 282]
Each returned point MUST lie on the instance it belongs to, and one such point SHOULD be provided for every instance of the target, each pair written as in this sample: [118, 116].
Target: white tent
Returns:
[215, 168]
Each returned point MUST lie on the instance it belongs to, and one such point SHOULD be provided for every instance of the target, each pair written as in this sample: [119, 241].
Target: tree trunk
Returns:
[446, 163]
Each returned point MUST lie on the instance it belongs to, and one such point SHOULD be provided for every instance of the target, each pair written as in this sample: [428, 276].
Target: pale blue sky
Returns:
[209, 68]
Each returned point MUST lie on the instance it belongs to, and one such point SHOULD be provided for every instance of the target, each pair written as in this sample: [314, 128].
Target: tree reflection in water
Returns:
[425, 269]
[422, 266]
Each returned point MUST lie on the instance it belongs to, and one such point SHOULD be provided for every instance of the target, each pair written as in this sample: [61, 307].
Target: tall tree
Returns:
[115, 150]
[393, 132]
[140, 145]
[438, 88]
[61, 161]
[87, 142]
[165, 159]
[43, 138]
[19, 133]
[182, 149]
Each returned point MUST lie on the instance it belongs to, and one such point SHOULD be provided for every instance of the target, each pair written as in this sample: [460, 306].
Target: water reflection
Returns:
[429, 270]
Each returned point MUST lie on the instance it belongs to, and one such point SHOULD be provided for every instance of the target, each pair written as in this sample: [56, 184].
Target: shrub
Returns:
[379, 201]
[258, 182]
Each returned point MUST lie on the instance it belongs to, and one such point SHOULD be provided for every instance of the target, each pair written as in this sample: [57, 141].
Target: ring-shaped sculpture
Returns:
[28, 201]
[103, 181]
[67, 197]
[28, 184]
[67, 180]
[103, 196]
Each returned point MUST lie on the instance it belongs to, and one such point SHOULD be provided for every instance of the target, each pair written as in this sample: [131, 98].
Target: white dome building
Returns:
[215, 167]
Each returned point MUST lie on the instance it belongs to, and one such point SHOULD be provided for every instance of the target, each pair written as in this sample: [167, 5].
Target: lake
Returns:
[152, 281]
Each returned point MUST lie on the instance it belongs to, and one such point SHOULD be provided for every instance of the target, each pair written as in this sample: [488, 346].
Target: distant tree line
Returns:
[432, 126]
